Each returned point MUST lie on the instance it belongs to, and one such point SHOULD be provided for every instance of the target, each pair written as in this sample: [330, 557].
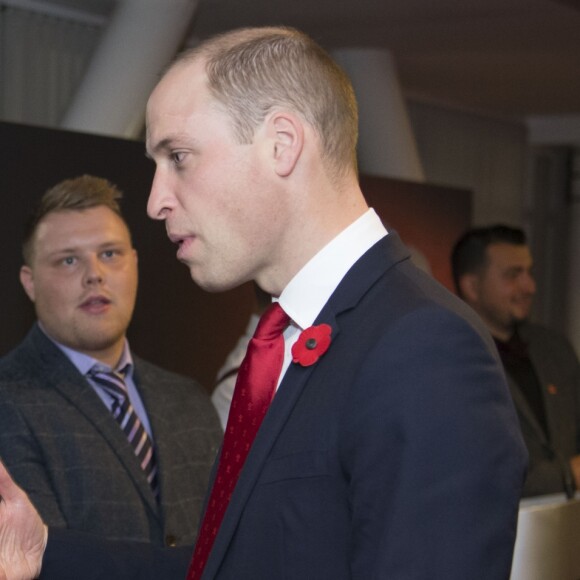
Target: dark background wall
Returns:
[176, 324]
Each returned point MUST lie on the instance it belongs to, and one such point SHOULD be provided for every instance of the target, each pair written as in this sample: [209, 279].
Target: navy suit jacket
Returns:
[396, 456]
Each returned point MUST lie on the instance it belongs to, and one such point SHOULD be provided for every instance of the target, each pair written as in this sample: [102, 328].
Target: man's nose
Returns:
[94, 273]
[160, 201]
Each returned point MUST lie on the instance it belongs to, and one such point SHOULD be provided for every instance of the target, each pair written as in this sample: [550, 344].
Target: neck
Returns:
[312, 240]
[109, 356]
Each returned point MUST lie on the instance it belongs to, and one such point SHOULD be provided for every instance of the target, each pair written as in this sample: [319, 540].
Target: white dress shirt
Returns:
[307, 293]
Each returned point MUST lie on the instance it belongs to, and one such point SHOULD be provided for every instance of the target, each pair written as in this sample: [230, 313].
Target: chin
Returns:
[214, 285]
[98, 338]
[517, 320]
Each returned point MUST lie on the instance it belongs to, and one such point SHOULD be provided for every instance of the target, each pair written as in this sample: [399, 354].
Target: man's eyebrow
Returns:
[65, 250]
[163, 145]
[167, 144]
[62, 251]
[515, 269]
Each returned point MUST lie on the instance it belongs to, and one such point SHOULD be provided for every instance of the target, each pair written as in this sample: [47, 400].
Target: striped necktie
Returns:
[113, 383]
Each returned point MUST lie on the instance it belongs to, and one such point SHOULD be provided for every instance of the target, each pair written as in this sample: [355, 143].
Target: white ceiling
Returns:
[515, 58]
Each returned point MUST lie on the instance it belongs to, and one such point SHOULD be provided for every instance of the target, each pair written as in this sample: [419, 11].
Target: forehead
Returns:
[177, 101]
[181, 88]
[67, 227]
[504, 255]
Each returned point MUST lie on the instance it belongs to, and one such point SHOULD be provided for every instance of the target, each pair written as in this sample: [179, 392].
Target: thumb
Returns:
[9, 491]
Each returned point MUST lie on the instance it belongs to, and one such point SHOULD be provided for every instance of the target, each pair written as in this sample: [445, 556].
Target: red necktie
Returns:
[255, 387]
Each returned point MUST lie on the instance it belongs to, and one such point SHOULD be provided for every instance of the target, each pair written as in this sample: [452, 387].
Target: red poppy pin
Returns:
[312, 343]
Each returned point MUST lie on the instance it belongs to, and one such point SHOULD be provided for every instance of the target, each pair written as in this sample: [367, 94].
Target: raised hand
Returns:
[23, 535]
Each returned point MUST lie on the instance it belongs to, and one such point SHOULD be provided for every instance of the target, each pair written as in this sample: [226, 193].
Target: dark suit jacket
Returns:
[62, 445]
[558, 372]
[396, 456]
[72, 555]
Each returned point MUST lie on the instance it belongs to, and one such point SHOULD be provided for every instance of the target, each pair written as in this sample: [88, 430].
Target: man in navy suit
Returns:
[395, 454]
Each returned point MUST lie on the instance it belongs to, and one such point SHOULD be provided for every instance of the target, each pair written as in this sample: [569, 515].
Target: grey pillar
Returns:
[387, 145]
[141, 39]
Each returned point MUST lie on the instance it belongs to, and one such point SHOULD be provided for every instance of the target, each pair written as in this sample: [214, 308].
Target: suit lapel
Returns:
[363, 274]
[525, 410]
[537, 359]
[61, 375]
[161, 428]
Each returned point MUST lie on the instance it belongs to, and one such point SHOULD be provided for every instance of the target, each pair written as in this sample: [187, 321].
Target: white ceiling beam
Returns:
[50, 9]
[141, 39]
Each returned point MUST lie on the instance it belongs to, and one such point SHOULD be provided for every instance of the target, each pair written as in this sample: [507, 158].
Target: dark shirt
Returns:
[516, 361]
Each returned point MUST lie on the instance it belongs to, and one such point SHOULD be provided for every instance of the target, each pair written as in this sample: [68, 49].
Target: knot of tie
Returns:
[272, 323]
[113, 382]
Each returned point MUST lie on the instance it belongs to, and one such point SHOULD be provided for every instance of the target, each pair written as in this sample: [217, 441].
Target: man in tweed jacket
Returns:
[58, 437]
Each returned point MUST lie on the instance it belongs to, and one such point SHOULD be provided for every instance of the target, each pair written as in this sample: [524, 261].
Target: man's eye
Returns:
[177, 157]
[69, 260]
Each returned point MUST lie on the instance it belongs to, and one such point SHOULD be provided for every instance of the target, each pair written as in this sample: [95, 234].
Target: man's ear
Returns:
[287, 135]
[469, 287]
[27, 281]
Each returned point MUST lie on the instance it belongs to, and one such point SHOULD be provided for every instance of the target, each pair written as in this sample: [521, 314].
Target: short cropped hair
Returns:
[76, 194]
[251, 71]
[469, 253]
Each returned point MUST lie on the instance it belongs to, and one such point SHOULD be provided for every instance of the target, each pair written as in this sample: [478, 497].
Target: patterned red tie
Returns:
[255, 387]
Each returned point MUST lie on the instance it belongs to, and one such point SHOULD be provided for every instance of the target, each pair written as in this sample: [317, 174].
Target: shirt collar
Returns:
[309, 290]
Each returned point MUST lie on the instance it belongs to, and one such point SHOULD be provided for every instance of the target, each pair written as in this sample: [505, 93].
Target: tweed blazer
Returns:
[64, 448]
[558, 371]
